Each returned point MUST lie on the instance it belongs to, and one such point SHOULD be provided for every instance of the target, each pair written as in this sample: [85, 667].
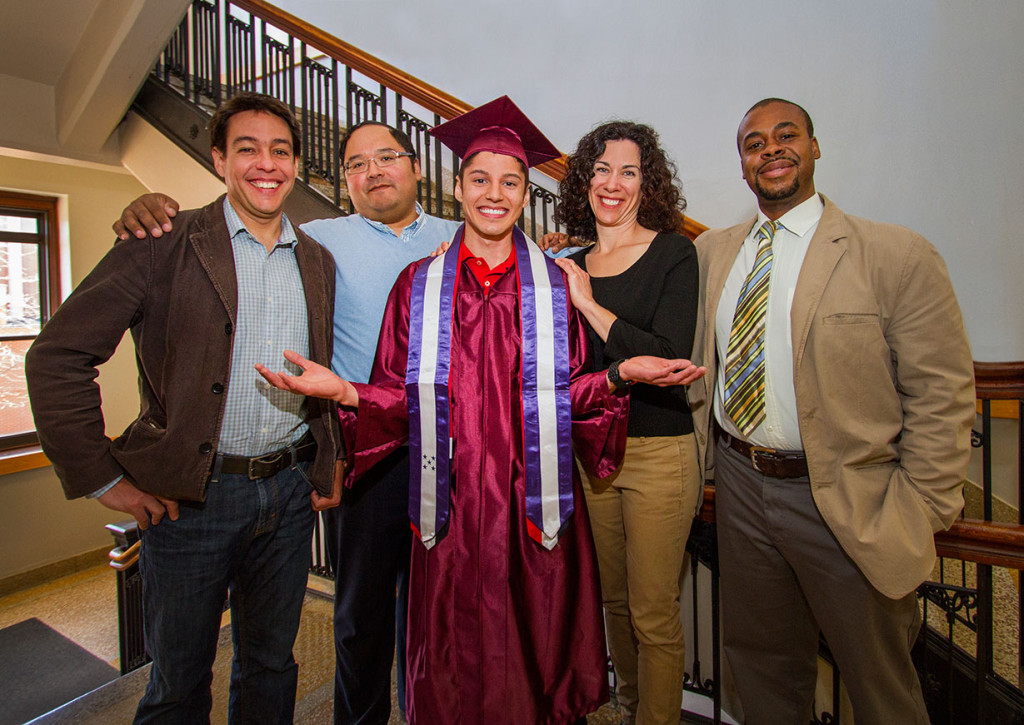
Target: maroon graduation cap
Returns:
[499, 127]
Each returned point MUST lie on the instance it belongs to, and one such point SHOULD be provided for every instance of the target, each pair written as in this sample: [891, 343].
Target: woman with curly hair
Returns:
[636, 284]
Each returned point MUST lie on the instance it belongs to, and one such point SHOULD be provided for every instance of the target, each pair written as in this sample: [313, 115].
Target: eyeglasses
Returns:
[383, 159]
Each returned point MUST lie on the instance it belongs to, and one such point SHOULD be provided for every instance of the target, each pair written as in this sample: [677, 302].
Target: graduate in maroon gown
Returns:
[480, 368]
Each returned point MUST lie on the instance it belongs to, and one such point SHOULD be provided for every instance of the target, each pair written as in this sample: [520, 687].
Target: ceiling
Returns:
[69, 70]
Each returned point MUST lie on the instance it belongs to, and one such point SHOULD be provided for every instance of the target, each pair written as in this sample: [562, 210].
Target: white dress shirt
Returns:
[781, 427]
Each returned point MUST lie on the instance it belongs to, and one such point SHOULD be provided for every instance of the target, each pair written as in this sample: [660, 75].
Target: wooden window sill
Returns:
[22, 459]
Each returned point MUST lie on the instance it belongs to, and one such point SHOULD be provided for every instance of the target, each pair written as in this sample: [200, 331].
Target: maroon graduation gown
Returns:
[501, 630]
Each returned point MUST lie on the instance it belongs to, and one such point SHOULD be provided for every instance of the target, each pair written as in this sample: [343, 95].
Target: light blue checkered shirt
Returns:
[259, 418]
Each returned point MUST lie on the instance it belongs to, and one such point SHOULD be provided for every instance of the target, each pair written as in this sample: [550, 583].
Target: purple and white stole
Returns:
[546, 404]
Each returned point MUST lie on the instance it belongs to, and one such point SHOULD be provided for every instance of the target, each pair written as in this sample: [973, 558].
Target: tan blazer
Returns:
[884, 386]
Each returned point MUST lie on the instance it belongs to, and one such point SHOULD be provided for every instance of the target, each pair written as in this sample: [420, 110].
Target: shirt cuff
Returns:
[100, 492]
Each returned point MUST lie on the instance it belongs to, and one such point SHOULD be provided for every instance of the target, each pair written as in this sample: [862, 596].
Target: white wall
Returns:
[161, 165]
[917, 104]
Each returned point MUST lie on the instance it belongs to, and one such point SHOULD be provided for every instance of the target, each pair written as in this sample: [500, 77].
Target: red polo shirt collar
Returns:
[485, 275]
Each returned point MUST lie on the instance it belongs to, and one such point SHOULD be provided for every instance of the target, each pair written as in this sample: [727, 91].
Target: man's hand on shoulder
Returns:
[144, 508]
[149, 214]
[555, 242]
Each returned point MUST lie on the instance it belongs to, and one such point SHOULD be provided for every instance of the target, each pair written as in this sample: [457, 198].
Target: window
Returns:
[29, 292]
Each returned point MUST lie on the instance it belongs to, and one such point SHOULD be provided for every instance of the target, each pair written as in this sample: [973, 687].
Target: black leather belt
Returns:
[768, 461]
[270, 463]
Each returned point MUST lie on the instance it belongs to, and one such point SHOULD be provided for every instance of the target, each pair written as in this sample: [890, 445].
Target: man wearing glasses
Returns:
[368, 535]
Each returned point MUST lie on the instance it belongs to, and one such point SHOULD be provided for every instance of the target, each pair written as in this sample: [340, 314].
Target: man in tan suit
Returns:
[843, 397]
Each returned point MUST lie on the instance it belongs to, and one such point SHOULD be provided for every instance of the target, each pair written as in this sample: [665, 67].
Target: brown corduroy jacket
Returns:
[178, 295]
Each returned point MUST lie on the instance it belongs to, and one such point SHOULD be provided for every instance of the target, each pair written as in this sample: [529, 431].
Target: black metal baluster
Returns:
[197, 39]
[983, 573]
[305, 108]
[335, 161]
[253, 68]
[349, 120]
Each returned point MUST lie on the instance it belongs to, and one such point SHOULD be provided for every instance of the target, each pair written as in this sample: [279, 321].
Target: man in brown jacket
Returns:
[217, 467]
[841, 383]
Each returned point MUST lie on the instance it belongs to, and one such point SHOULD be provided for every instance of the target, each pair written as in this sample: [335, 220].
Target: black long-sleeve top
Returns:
[655, 300]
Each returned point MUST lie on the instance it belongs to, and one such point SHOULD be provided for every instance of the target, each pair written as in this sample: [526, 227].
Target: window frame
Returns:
[47, 239]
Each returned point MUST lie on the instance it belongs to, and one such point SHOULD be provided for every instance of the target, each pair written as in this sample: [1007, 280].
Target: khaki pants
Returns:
[641, 518]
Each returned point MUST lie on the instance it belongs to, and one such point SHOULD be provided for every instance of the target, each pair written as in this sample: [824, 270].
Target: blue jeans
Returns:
[249, 539]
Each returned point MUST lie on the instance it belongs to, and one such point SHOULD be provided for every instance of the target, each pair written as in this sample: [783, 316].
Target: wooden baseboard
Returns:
[49, 572]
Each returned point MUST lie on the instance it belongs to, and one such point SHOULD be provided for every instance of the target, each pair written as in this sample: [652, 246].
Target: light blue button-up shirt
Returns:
[369, 256]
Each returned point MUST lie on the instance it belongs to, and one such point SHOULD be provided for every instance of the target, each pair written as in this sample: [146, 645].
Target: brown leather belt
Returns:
[270, 463]
[767, 461]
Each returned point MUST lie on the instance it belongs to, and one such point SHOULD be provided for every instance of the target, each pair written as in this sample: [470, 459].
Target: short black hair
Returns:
[258, 102]
[400, 137]
[797, 106]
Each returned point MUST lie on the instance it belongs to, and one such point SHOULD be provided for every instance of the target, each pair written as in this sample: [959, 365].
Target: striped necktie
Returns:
[744, 363]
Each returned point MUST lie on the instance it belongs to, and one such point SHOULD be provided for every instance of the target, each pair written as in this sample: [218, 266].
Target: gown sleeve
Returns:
[599, 416]
[382, 423]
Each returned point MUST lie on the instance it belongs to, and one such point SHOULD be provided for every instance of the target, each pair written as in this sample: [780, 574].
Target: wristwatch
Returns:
[613, 375]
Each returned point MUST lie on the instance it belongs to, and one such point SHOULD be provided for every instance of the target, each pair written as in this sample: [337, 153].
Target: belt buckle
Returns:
[754, 451]
[268, 459]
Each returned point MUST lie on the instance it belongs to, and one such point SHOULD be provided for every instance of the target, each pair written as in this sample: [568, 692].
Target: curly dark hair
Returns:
[661, 195]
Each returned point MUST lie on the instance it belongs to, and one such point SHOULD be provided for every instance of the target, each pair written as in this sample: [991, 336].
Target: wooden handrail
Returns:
[121, 558]
[421, 92]
[999, 380]
[707, 507]
[983, 542]
[426, 95]
[693, 228]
